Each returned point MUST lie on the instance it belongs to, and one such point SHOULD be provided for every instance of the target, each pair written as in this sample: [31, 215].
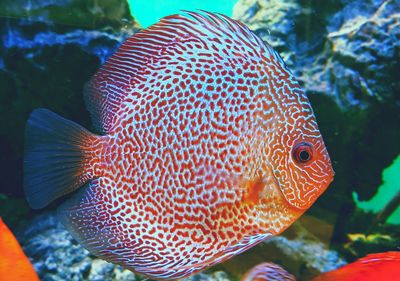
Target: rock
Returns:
[210, 276]
[33, 25]
[70, 14]
[358, 69]
[56, 256]
[296, 29]
[347, 56]
[363, 58]
[307, 257]
[345, 53]
[49, 50]
[272, 20]
[357, 46]
[303, 251]
[53, 252]
[102, 270]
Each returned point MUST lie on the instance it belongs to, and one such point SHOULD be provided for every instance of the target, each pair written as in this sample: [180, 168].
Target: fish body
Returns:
[207, 146]
[14, 265]
[373, 267]
[267, 272]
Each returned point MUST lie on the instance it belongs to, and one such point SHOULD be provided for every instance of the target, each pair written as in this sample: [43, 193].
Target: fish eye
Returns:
[303, 152]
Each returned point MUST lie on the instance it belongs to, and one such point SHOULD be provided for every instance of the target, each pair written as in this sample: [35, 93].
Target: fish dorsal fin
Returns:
[127, 67]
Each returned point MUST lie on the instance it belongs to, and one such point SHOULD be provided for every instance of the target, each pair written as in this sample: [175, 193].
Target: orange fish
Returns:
[267, 272]
[14, 265]
[373, 267]
[207, 145]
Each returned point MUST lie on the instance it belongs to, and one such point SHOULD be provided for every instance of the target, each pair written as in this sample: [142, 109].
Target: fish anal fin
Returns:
[88, 217]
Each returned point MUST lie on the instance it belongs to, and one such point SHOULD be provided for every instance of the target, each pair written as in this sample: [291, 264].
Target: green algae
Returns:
[149, 12]
[389, 189]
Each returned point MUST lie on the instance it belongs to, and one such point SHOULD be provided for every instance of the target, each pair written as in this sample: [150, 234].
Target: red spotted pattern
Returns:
[199, 118]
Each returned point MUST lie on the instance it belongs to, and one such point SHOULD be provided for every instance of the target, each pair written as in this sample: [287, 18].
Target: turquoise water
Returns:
[149, 12]
[389, 189]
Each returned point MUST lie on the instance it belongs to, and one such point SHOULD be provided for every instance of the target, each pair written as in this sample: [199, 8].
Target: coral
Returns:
[44, 46]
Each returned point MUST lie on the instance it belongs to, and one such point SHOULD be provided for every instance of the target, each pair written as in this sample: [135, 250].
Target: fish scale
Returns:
[202, 127]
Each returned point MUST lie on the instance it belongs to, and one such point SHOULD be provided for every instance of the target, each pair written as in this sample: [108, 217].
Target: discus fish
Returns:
[207, 146]
[14, 265]
[373, 267]
[267, 272]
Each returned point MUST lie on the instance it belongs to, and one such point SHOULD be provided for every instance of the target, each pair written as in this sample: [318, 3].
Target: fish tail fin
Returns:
[59, 157]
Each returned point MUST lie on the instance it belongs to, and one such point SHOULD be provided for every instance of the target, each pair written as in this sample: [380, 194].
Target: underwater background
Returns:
[346, 55]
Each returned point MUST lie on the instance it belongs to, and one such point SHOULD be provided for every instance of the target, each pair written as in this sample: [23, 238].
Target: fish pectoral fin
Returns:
[88, 217]
[55, 151]
[254, 190]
